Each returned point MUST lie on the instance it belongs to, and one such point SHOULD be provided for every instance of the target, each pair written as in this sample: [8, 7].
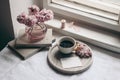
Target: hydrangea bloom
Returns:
[21, 18]
[44, 15]
[35, 16]
[82, 50]
[33, 10]
[30, 21]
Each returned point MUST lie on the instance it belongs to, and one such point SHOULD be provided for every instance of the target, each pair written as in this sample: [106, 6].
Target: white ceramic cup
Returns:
[66, 50]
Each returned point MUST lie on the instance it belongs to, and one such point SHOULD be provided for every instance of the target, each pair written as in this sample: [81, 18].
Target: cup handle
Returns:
[55, 43]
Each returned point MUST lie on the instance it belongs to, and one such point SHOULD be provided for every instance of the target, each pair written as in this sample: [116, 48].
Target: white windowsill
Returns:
[89, 34]
[83, 16]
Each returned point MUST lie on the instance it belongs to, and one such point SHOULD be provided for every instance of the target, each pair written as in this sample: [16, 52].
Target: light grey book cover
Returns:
[23, 53]
[22, 41]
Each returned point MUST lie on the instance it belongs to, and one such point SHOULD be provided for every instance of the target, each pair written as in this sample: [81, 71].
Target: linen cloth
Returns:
[106, 66]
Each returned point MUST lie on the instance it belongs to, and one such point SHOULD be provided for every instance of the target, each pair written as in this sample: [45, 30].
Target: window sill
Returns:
[88, 34]
[83, 16]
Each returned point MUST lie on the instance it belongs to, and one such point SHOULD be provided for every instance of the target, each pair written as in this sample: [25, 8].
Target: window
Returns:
[104, 13]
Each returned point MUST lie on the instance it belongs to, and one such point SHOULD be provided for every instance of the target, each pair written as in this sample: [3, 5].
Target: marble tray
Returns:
[54, 56]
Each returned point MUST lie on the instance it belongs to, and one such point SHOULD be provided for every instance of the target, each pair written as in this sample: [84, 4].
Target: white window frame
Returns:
[79, 15]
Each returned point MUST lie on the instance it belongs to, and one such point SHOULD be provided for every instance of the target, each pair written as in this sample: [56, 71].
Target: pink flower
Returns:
[30, 21]
[21, 18]
[49, 15]
[35, 16]
[44, 15]
[40, 18]
[33, 10]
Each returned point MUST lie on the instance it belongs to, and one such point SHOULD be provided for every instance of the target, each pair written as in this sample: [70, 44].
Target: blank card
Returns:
[71, 62]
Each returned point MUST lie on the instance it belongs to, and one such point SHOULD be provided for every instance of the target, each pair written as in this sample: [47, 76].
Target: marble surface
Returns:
[106, 66]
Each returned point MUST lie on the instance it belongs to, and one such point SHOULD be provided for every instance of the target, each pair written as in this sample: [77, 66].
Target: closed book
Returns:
[23, 42]
[23, 53]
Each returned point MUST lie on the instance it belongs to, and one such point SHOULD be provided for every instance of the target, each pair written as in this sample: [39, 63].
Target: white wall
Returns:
[18, 6]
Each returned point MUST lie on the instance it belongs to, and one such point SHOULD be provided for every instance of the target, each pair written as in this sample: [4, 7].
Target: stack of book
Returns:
[25, 48]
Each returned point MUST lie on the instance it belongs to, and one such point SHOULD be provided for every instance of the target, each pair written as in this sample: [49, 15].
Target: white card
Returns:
[71, 62]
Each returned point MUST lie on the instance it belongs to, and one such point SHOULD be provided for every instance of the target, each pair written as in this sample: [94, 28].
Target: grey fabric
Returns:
[106, 66]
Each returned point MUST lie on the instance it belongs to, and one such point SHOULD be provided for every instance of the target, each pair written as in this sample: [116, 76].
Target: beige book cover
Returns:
[22, 41]
[23, 53]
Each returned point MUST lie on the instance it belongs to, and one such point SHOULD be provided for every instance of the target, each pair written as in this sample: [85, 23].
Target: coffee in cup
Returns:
[66, 44]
